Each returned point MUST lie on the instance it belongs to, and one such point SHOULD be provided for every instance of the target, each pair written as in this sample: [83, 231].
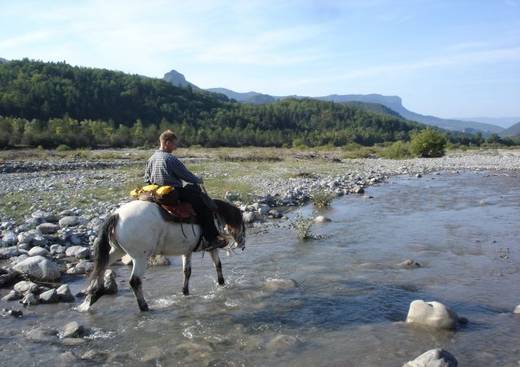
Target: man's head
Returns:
[168, 141]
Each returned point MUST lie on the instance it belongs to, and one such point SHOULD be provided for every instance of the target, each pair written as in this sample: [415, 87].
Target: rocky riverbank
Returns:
[51, 245]
[56, 237]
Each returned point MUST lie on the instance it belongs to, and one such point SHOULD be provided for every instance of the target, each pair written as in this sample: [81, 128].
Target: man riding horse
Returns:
[164, 168]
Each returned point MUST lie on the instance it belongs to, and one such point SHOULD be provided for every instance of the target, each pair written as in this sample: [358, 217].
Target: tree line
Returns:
[51, 104]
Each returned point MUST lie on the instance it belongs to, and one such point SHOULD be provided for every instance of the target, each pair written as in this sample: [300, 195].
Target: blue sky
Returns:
[452, 58]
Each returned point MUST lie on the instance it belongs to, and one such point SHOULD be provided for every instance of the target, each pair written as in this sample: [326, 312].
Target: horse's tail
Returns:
[102, 246]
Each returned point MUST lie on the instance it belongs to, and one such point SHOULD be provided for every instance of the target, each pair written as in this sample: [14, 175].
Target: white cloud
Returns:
[24, 39]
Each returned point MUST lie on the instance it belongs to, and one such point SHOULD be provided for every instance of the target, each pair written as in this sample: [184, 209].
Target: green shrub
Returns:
[322, 198]
[62, 148]
[398, 150]
[302, 227]
[428, 143]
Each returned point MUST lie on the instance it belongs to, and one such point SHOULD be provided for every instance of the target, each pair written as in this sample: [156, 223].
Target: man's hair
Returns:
[167, 135]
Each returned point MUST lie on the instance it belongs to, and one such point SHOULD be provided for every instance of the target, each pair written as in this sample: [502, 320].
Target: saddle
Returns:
[171, 209]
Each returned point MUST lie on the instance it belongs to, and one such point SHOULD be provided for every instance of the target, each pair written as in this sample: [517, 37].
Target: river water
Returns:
[350, 300]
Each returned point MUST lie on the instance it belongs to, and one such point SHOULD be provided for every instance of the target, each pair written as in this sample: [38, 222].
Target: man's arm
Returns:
[180, 170]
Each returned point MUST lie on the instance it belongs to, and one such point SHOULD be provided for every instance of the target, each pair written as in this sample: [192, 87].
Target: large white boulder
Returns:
[433, 314]
[38, 267]
[433, 358]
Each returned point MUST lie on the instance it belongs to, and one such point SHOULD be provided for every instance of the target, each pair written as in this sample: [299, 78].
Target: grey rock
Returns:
[29, 299]
[433, 314]
[64, 294]
[274, 284]
[39, 240]
[69, 221]
[26, 237]
[358, 190]
[44, 216]
[26, 286]
[72, 330]
[57, 249]
[12, 296]
[282, 342]
[42, 335]
[321, 219]
[48, 228]
[109, 282]
[79, 252]
[38, 267]
[49, 296]
[8, 252]
[66, 359]
[409, 264]
[73, 342]
[38, 251]
[273, 213]
[83, 267]
[94, 355]
[8, 278]
[434, 358]
[249, 217]
[8, 239]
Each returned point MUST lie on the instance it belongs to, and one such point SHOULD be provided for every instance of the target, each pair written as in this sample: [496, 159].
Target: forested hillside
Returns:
[49, 104]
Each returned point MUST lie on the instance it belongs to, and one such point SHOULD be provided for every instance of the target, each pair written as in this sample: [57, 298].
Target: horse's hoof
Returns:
[144, 308]
[185, 292]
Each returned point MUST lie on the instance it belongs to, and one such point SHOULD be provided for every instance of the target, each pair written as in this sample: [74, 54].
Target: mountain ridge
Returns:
[512, 131]
[392, 102]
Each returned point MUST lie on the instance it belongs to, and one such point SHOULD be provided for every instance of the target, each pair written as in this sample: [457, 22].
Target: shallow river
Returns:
[351, 298]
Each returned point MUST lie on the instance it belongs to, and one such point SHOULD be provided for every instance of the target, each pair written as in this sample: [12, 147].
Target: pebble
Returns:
[321, 219]
[69, 221]
[42, 335]
[275, 284]
[38, 251]
[48, 228]
[64, 294]
[72, 330]
[109, 282]
[79, 252]
[50, 296]
[434, 358]
[409, 264]
[29, 299]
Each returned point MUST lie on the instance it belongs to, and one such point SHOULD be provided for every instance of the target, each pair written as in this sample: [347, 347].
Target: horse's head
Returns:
[234, 229]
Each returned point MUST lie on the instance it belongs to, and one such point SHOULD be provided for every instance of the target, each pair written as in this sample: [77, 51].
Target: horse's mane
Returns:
[230, 213]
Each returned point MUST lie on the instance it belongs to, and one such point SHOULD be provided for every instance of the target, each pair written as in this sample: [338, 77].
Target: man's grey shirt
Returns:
[163, 168]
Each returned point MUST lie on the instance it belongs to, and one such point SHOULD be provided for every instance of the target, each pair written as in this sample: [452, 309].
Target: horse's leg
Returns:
[218, 266]
[186, 268]
[139, 266]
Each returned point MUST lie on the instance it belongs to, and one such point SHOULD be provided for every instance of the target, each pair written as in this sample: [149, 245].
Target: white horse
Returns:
[139, 230]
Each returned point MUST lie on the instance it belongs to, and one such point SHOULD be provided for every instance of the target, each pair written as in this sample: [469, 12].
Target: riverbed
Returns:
[340, 300]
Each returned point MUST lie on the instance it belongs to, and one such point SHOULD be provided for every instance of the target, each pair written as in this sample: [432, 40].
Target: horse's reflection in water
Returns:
[139, 230]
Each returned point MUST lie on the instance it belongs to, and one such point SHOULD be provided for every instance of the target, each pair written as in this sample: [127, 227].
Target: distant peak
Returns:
[177, 79]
